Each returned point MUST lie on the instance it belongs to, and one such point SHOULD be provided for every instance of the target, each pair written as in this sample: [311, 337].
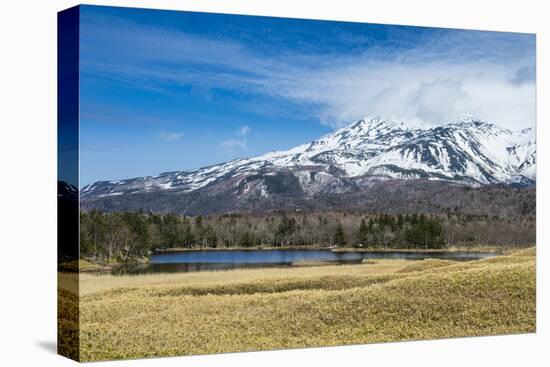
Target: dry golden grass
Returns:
[91, 283]
[243, 310]
[67, 315]
[426, 265]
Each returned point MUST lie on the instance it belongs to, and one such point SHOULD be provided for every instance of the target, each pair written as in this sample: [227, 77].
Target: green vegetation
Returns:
[245, 310]
[129, 236]
[340, 236]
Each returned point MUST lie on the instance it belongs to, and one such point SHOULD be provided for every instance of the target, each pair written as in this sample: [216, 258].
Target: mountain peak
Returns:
[470, 122]
[469, 118]
[377, 122]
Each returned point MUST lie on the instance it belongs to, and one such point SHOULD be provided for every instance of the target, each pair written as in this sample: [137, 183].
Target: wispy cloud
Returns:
[488, 74]
[113, 114]
[523, 75]
[244, 130]
[233, 145]
[239, 142]
[170, 136]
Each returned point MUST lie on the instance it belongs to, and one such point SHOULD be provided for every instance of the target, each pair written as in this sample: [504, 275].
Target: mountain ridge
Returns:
[467, 151]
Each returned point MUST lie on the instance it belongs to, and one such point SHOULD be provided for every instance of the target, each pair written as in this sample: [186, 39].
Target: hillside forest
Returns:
[126, 236]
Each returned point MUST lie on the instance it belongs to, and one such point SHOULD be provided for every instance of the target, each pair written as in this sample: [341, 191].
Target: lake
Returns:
[202, 260]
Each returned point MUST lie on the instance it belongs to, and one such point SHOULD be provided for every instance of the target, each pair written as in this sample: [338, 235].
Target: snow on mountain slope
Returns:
[468, 151]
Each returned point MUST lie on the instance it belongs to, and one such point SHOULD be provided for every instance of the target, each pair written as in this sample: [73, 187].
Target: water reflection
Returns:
[203, 260]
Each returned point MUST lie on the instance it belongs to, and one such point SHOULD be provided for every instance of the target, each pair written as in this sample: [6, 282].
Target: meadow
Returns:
[256, 309]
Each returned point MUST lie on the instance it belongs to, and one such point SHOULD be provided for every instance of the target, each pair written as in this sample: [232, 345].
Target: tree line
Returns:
[124, 236]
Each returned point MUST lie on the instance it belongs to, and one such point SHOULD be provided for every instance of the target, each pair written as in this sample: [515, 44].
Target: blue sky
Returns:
[164, 91]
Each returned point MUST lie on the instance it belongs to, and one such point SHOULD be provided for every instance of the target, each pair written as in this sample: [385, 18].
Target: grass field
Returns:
[256, 309]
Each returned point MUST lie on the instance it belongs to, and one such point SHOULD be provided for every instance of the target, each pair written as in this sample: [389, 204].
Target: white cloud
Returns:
[434, 92]
[438, 100]
[488, 74]
[238, 144]
[523, 76]
[243, 130]
[171, 136]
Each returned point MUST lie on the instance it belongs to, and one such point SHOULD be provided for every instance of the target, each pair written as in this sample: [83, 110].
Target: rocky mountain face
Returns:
[350, 162]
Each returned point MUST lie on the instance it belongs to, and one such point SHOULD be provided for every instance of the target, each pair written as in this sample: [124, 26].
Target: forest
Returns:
[126, 236]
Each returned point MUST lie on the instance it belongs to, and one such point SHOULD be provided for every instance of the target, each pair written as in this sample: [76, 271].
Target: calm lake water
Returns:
[201, 260]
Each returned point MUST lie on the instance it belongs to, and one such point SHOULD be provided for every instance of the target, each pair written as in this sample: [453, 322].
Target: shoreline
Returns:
[88, 266]
[473, 249]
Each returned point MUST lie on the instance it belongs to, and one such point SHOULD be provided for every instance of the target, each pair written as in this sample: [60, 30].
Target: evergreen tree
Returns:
[363, 233]
[247, 239]
[340, 236]
[285, 229]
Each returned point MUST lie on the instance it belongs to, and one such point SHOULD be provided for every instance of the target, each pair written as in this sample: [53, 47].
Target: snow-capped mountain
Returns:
[467, 151]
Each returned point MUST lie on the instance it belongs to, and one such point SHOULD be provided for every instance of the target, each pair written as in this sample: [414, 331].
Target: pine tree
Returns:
[247, 239]
[363, 233]
[340, 236]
